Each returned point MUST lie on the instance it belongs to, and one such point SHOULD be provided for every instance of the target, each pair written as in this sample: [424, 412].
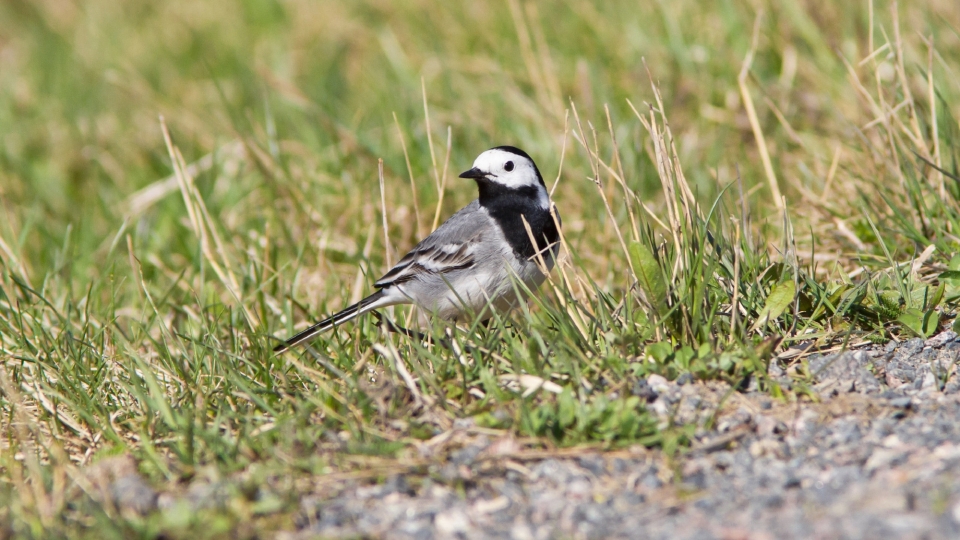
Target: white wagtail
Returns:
[469, 261]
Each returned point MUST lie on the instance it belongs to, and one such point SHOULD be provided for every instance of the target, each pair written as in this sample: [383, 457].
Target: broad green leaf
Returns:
[660, 351]
[951, 275]
[777, 302]
[931, 322]
[923, 324]
[912, 319]
[648, 275]
[683, 356]
[837, 294]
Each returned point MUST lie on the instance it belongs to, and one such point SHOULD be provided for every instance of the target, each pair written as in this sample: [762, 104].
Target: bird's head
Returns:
[505, 167]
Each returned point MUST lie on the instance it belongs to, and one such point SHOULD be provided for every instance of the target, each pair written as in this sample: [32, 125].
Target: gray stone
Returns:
[846, 372]
[131, 492]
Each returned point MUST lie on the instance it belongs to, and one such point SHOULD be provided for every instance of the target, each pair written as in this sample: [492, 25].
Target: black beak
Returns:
[474, 173]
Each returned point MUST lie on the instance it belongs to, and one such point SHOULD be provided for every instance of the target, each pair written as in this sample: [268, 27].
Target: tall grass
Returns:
[148, 263]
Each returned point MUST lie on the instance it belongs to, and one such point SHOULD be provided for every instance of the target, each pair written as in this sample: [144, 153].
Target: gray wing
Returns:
[451, 247]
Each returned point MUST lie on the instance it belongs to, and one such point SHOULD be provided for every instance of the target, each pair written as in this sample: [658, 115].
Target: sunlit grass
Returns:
[145, 280]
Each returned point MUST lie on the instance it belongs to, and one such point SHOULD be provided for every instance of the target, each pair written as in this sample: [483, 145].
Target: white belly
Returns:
[466, 294]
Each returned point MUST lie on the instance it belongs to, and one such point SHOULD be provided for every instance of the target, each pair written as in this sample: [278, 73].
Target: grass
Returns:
[148, 264]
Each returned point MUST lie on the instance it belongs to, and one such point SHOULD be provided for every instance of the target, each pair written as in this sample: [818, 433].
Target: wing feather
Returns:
[451, 247]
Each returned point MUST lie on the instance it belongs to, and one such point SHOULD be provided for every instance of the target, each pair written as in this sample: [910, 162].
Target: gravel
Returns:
[876, 455]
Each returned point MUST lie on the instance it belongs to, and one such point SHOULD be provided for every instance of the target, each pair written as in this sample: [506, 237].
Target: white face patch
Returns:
[507, 168]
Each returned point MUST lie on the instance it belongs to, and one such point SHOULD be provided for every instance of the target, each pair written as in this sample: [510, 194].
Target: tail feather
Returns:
[374, 301]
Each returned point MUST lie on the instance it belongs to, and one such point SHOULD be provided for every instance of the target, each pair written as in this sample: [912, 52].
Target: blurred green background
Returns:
[316, 85]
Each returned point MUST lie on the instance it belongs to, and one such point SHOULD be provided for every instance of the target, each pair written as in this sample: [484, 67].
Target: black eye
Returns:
[508, 166]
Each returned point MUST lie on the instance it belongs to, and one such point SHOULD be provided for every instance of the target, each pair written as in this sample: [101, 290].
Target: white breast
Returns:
[458, 294]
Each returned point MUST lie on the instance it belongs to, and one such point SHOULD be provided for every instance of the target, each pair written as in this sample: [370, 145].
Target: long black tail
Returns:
[350, 313]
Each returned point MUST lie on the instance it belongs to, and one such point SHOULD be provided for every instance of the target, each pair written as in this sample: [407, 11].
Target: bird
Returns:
[470, 260]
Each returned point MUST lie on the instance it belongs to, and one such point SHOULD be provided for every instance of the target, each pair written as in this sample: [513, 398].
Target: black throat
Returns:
[510, 206]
